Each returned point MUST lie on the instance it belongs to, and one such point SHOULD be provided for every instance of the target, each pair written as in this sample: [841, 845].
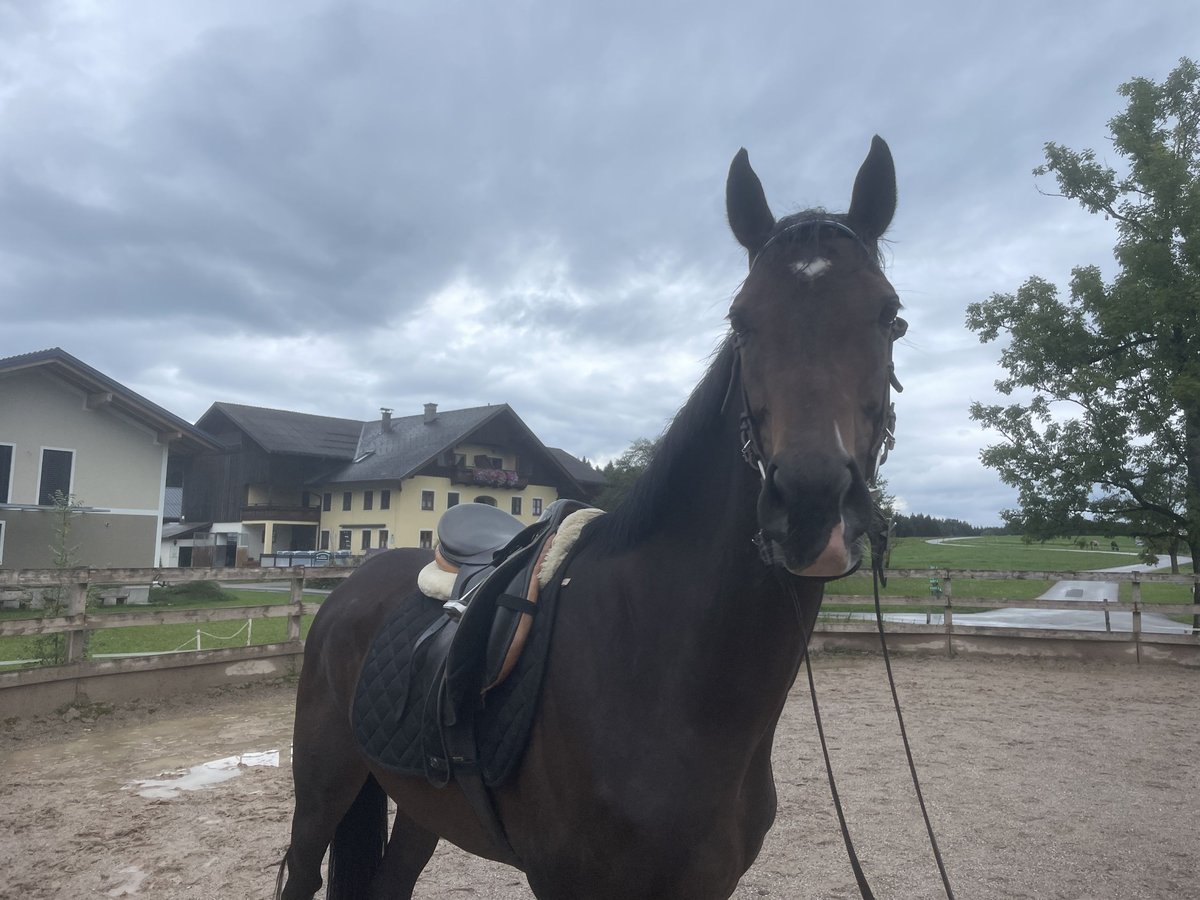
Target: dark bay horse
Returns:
[648, 770]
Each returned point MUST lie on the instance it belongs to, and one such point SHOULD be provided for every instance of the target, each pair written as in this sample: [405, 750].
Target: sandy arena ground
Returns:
[1043, 780]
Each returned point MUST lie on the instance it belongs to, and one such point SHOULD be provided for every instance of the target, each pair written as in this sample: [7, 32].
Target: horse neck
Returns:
[712, 534]
[731, 621]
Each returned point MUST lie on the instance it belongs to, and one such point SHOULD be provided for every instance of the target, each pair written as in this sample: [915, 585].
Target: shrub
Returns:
[188, 592]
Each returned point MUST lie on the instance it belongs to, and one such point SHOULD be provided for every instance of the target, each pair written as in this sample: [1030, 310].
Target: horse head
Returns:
[813, 327]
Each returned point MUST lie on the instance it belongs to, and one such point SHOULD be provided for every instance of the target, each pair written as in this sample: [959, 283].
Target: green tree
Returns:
[51, 649]
[1111, 433]
[621, 473]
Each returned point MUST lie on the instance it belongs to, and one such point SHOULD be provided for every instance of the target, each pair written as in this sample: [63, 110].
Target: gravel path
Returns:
[1044, 780]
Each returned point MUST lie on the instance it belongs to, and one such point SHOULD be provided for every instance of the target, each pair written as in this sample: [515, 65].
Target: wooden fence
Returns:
[33, 690]
[78, 621]
[953, 633]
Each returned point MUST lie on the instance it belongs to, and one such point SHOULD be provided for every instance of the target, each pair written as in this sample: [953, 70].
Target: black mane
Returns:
[695, 425]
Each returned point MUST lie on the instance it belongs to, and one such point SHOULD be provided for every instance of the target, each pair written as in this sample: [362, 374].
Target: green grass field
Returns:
[168, 638]
[1002, 553]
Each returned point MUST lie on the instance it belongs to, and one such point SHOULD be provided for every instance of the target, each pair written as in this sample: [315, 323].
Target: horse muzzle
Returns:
[812, 523]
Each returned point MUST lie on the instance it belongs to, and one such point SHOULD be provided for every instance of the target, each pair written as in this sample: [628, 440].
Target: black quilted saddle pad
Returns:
[395, 706]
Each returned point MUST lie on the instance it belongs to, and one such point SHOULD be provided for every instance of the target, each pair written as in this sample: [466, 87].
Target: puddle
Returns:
[133, 877]
[162, 754]
[169, 785]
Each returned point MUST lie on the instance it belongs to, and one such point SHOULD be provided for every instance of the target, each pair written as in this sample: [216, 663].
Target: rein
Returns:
[883, 442]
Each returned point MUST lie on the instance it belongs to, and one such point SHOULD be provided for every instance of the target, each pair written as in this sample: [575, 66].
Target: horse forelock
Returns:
[788, 232]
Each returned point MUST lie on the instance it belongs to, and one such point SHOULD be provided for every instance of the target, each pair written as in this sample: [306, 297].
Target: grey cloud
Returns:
[270, 203]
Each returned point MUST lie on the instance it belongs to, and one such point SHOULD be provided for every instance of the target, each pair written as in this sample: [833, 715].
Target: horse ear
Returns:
[746, 205]
[874, 200]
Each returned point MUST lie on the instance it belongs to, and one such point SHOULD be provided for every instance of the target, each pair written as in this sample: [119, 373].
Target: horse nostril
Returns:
[813, 485]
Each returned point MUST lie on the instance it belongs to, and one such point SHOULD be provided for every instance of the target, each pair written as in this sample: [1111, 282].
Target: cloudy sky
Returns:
[332, 206]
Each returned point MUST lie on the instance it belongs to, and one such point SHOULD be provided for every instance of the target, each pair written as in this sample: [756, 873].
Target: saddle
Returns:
[438, 696]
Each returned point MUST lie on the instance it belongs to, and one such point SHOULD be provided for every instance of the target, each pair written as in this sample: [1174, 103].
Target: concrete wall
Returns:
[31, 692]
[102, 540]
[35, 692]
[1115, 649]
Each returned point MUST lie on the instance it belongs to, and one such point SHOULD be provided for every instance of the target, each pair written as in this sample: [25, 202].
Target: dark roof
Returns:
[284, 431]
[583, 472]
[410, 443]
[104, 392]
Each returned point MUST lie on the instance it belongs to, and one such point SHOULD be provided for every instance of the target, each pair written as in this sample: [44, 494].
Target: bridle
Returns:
[882, 443]
[884, 436]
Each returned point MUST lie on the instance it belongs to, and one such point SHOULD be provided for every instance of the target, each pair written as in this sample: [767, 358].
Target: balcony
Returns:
[275, 512]
[492, 478]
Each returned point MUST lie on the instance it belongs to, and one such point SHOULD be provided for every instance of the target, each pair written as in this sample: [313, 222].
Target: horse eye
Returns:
[737, 323]
[899, 328]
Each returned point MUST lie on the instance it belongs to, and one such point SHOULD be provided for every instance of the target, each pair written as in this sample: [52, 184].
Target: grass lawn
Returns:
[996, 554]
[168, 638]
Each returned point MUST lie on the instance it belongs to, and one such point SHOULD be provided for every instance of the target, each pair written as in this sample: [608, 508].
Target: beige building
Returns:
[407, 471]
[66, 429]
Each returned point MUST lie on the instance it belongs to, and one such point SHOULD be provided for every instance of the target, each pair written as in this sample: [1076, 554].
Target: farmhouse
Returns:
[407, 471]
[71, 432]
[254, 492]
[287, 483]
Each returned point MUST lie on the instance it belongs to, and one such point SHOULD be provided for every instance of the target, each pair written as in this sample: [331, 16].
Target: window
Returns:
[305, 500]
[56, 475]
[516, 506]
[385, 499]
[346, 497]
[383, 539]
[366, 539]
[426, 540]
[537, 506]
[486, 500]
[368, 499]
[452, 499]
[426, 499]
[327, 502]
[325, 538]
[344, 539]
[6, 456]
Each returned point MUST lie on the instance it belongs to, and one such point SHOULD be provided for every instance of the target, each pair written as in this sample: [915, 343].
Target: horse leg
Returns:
[408, 851]
[329, 777]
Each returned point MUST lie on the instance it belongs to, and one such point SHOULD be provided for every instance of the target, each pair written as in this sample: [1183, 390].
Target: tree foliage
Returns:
[1111, 432]
[621, 473]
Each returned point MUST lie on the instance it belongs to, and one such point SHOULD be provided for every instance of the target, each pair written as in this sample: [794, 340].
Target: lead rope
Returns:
[876, 572]
[859, 876]
[864, 888]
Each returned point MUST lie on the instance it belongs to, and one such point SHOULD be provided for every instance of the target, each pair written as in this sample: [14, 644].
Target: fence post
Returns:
[297, 604]
[948, 614]
[1137, 629]
[77, 639]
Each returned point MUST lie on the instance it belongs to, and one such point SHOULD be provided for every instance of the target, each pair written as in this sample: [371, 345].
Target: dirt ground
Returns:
[1043, 780]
